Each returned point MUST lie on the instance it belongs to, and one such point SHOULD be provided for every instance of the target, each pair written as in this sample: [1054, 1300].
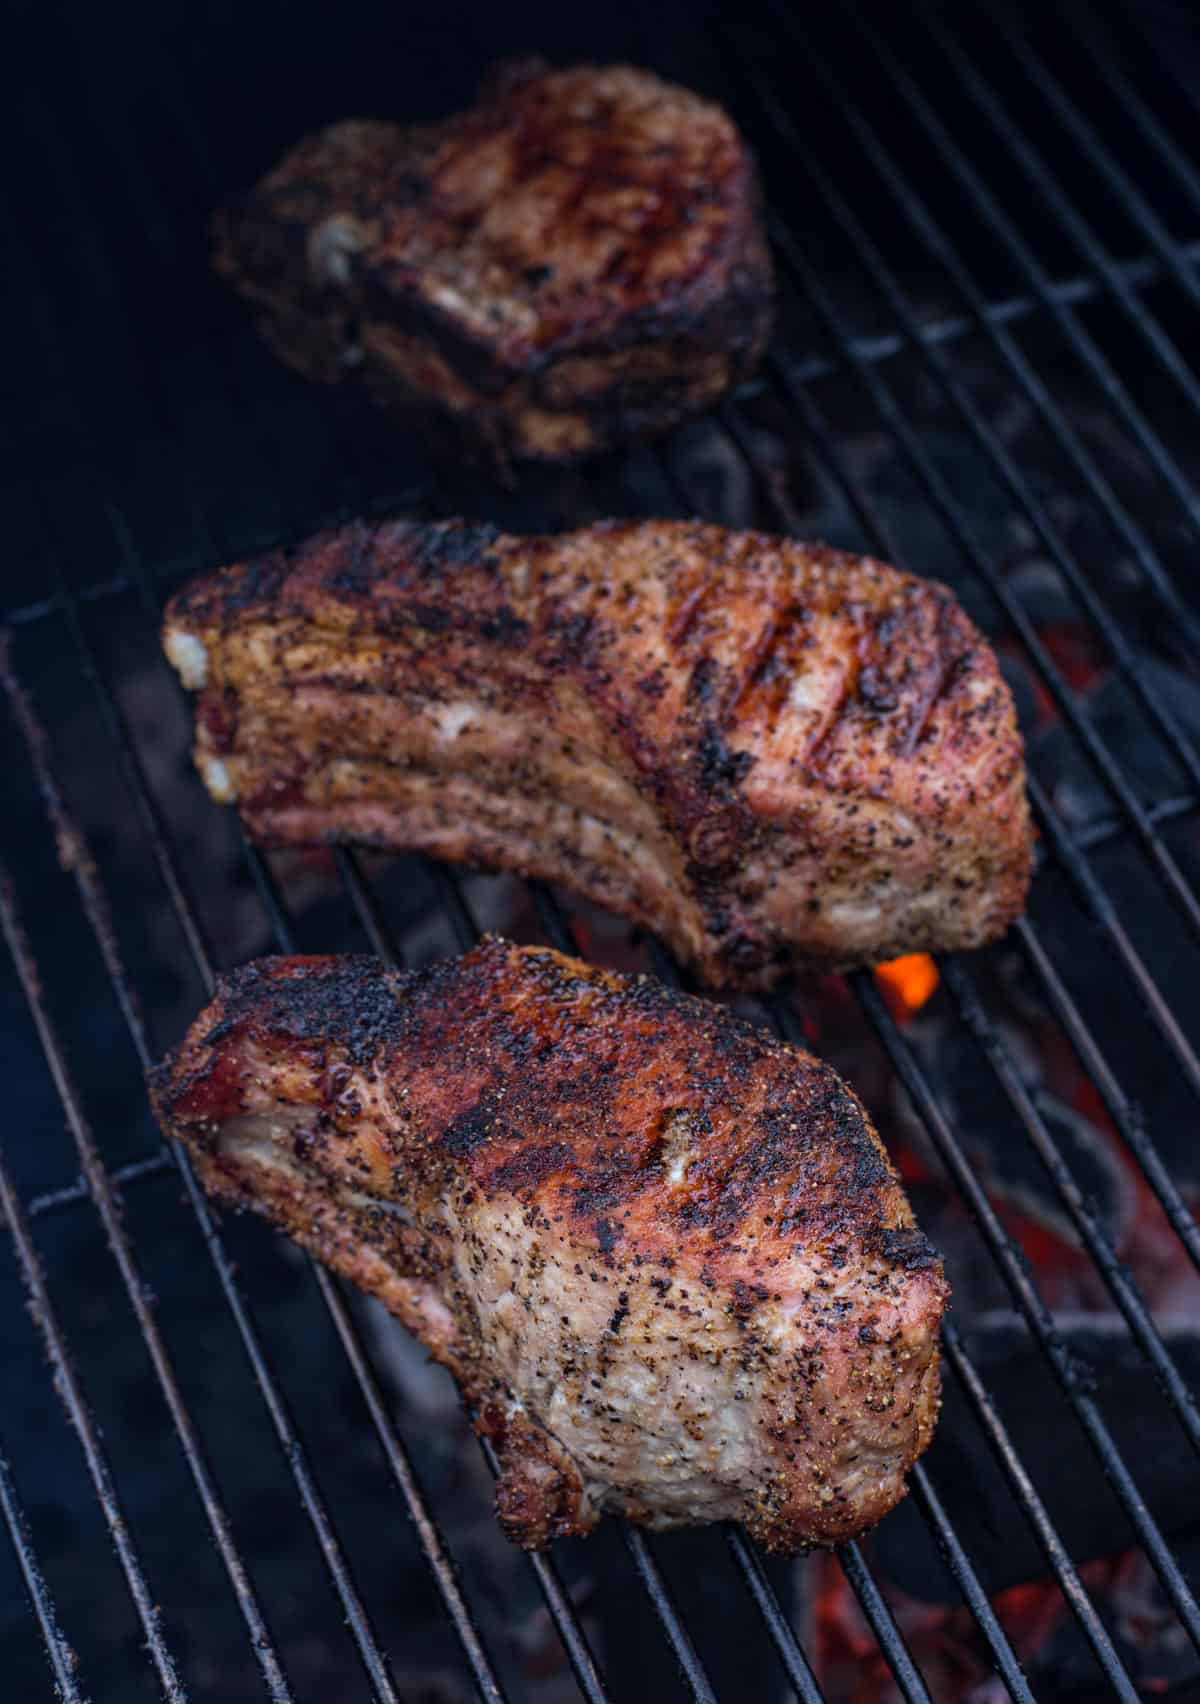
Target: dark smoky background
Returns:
[149, 435]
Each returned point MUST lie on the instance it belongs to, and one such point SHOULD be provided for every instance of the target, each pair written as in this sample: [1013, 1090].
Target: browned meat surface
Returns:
[575, 260]
[763, 751]
[664, 1254]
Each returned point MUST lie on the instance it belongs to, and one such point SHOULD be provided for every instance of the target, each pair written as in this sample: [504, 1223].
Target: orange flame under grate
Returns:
[908, 982]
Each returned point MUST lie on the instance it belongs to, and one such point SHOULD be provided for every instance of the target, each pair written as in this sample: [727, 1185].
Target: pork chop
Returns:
[576, 260]
[663, 1253]
[767, 752]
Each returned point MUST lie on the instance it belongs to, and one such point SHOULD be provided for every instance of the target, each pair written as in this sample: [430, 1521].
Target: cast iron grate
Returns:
[918, 310]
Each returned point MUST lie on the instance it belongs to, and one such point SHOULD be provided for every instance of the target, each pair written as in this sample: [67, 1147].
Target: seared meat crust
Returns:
[576, 260]
[664, 1254]
[762, 750]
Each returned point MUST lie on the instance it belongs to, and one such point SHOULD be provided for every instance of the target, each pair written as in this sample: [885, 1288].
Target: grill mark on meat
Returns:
[820, 744]
[768, 685]
[758, 659]
[943, 680]
[687, 613]
[951, 664]
[755, 1339]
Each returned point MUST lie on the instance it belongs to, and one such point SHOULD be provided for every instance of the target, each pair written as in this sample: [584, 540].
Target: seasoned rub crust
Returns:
[663, 1253]
[763, 750]
[576, 259]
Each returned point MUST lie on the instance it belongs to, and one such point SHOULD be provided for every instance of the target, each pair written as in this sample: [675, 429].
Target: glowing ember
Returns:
[908, 982]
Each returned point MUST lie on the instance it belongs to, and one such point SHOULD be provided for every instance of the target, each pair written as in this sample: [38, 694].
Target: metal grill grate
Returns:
[863, 238]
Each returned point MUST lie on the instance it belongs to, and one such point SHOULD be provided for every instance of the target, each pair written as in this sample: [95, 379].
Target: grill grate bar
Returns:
[944, 251]
[1120, 1285]
[44, 609]
[1066, 852]
[1003, 1248]
[1027, 1496]
[906, 195]
[1041, 1323]
[1096, 900]
[66, 1384]
[432, 1542]
[1169, 63]
[952, 328]
[800, 1675]
[968, 1583]
[1042, 178]
[1097, 751]
[107, 1202]
[1081, 341]
[96, 910]
[73, 1194]
[659, 1593]
[877, 1611]
[1123, 1114]
[61, 1657]
[1031, 1304]
[1086, 29]
[1056, 1552]
[1106, 163]
[1105, 829]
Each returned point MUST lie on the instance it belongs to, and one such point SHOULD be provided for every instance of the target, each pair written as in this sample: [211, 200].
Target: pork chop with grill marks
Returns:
[576, 260]
[764, 751]
[663, 1253]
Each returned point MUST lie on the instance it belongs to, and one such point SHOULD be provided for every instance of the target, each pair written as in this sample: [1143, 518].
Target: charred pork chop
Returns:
[763, 751]
[576, 260]
[664, 1254]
